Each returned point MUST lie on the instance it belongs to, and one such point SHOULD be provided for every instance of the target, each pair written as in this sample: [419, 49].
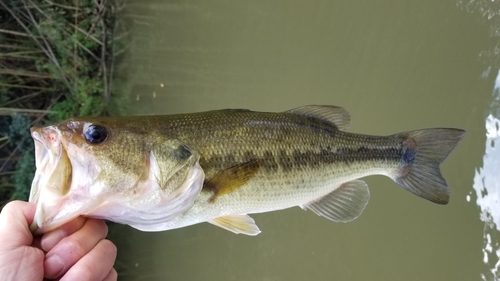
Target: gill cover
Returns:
[71, 180]
[175, 180]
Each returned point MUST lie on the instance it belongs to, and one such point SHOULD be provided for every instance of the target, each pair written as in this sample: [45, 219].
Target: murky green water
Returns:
[394, 65]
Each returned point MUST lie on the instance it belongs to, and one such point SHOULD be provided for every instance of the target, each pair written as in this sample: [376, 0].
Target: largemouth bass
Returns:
[165, 172]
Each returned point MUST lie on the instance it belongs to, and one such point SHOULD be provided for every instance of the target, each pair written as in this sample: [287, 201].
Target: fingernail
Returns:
[53, 266]
[50, 239]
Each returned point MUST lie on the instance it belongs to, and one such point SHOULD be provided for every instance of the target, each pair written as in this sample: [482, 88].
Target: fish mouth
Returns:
[52, 179]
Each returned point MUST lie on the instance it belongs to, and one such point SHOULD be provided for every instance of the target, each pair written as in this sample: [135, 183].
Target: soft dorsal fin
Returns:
[232, 178]
[344, 204]
[334, 114]
[243, 224]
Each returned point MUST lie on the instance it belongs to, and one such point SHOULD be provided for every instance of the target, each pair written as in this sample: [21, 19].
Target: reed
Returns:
[56, 61]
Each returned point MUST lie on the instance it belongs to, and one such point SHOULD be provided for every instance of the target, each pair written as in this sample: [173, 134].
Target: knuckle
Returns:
[11, 206]
[112, 276]
[75, 247]
[104, 227]
[100, 226]
[83, 271]
[108, 247]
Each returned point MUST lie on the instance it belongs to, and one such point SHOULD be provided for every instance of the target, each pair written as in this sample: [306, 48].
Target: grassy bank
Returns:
[56, 62]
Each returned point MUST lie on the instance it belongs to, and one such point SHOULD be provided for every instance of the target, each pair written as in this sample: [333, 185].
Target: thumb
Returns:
[15, 219]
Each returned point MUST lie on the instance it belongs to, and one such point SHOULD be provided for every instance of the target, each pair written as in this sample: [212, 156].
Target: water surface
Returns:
[394, 65]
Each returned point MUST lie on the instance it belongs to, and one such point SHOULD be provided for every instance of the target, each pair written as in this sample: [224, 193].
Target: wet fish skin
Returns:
[257, 162]
[110, 180]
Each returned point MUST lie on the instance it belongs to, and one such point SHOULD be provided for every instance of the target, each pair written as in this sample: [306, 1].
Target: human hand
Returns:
[77, 250]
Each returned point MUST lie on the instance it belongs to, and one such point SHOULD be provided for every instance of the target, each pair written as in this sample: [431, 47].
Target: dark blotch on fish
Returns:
[409, 151]
[270, 161]
[182, 152]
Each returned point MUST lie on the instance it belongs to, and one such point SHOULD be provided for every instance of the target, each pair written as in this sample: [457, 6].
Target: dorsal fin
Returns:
[333, 114]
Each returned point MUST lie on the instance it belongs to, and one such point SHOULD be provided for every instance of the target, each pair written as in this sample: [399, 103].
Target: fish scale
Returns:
[219, 166]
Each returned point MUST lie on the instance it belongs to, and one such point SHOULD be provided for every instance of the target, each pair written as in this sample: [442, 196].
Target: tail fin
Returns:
[423, 151]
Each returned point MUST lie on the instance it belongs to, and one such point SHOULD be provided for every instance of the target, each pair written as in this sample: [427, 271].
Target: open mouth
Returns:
[52, 177]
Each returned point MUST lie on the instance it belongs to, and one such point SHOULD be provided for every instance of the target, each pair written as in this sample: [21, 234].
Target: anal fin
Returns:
[243, 224]
[344, 204]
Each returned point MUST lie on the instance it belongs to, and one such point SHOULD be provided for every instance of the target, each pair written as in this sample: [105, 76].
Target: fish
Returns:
[163, 172]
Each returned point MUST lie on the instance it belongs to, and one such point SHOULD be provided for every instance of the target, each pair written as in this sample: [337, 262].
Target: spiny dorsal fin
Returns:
[344, 204]
[243, 224]
[334, 114]
[232, 178]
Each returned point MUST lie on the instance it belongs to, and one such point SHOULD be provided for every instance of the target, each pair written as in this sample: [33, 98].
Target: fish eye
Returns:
[95, 134]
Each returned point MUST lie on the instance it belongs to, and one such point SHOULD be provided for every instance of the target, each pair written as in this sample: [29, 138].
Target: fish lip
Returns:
[48, 150]
[40, 147]
[41, 159]
[48, 157]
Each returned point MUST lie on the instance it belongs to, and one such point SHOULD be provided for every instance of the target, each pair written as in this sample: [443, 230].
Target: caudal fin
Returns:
[423, 151]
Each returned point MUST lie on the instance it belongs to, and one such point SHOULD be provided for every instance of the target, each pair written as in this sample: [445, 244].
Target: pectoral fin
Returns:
[232, 178]
[344, 204]
[243, 224]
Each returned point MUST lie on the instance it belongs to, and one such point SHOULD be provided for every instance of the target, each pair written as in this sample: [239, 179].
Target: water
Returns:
[394, 65]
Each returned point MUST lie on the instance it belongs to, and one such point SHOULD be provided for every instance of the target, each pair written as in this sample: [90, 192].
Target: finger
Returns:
[96, 265]
[15, 218]
[51, 238]
[112, 275]
[72, 248]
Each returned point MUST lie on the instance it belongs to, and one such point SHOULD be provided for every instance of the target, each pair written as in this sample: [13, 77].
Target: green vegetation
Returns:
[56, 62]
